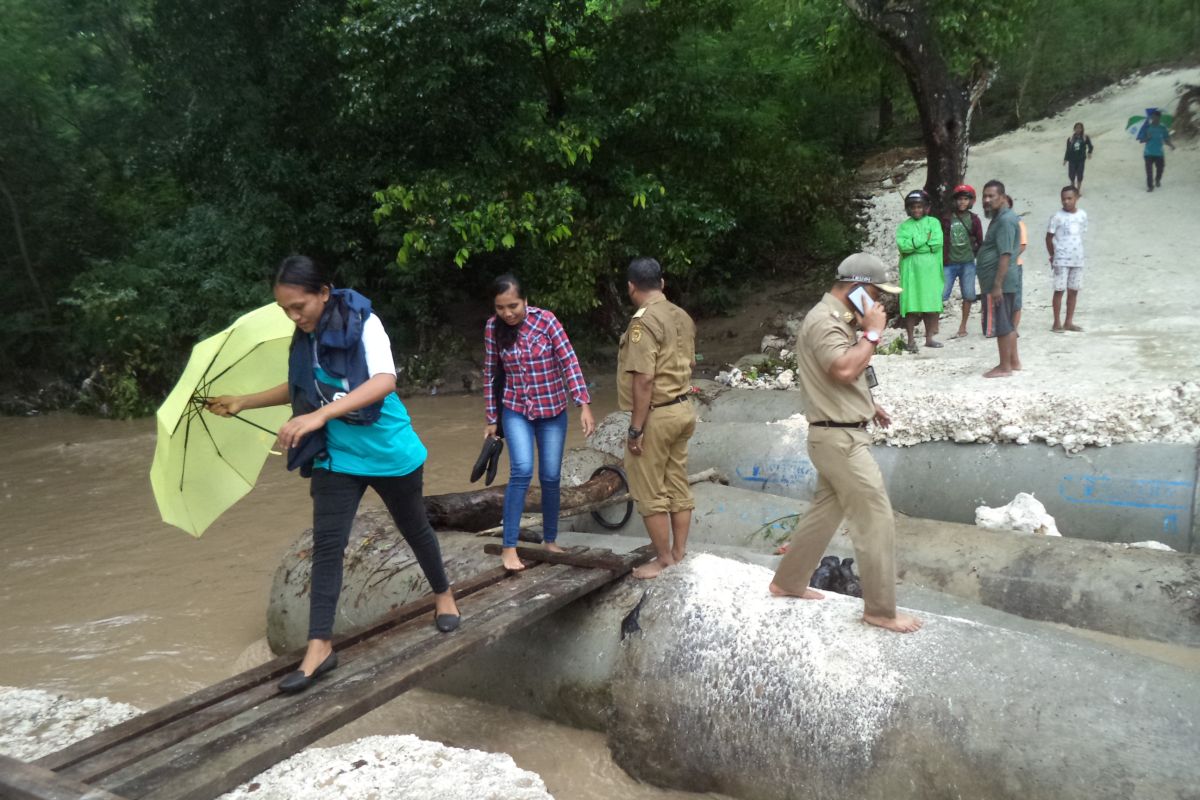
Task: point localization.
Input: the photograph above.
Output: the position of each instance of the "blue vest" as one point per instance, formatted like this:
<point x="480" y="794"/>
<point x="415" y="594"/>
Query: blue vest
<point x="338" y="347"/>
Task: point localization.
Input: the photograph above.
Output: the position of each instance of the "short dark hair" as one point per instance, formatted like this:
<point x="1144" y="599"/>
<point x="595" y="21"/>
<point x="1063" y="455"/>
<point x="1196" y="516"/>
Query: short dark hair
<point x="998" y="185"/>
<point x="1071" y="189"/>
<point x="645" y="274"/>
<point x="505" y="282"/>
<point x="302" y="271"/>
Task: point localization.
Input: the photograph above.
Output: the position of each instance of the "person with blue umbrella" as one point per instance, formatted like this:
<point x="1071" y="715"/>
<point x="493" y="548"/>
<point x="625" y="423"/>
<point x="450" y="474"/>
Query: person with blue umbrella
<point x="1154" y="134"/>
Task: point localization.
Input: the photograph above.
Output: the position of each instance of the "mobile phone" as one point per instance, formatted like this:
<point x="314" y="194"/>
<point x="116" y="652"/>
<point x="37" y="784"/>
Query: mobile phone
<point x="861" y="300"/>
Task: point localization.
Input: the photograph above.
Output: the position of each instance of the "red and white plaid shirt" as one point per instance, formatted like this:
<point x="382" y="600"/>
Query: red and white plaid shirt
<point x="534" y="367"/>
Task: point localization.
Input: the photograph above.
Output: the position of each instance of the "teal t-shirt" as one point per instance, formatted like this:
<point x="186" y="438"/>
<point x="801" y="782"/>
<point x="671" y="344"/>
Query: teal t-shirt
<point x="387" y="447"/>
<point x="1154" y="136"/>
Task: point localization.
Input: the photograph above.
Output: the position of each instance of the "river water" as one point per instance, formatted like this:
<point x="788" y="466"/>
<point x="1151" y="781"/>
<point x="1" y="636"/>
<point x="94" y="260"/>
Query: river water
<point x="102" y="599"/>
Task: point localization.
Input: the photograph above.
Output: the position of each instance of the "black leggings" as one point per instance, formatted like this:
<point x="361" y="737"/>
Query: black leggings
<point x="1075" y="171"/>
<point x="335" y="502"/>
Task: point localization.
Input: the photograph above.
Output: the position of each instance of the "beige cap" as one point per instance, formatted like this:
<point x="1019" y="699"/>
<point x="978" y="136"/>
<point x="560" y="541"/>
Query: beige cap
<point x="866" y="268"/>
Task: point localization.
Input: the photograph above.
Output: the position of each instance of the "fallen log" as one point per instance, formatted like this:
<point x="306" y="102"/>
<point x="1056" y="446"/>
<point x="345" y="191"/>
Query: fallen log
<point x="709" y="475"/>
<point x="481" y="509"/>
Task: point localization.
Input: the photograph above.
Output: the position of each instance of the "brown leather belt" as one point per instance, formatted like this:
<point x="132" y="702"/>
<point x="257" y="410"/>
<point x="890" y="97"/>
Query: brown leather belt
<point x="829" y="424"/>
<point x="679" y="399"/>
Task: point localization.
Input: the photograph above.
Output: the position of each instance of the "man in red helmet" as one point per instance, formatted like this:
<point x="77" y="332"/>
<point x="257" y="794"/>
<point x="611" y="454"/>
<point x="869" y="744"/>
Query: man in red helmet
<point x="962" y="234"/>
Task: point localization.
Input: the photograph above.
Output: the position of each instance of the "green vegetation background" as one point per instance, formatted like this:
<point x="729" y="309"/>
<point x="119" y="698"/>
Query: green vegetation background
<point x="159" y="157"/>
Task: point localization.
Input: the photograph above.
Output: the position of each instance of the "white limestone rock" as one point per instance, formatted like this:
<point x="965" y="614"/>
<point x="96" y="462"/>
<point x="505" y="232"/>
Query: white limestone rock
<point x="1025" y="514"/>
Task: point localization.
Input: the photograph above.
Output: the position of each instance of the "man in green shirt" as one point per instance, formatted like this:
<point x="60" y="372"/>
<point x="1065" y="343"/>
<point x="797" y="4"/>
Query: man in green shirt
<point x="999" y="280"/>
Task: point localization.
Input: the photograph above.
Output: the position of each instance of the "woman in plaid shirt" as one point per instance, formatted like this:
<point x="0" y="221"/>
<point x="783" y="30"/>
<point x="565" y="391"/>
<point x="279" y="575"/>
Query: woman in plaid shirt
<point x="540" y="373"/>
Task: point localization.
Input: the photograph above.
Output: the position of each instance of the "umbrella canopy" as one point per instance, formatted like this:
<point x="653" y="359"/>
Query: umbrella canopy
<point x="204" y="463"/>
<point x="1134" y="125"/>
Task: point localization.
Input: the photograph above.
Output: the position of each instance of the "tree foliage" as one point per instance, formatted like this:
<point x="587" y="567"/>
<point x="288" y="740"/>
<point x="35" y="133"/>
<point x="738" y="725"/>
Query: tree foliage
<point x="158" y="157"/>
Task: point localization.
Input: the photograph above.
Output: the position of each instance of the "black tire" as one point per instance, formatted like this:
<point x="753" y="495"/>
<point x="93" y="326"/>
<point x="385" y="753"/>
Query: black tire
<point x="601" y="521"/>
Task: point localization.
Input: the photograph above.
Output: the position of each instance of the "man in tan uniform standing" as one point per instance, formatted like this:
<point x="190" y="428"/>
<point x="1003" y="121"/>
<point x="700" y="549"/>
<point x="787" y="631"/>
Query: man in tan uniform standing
<point x="833" y="362"/>
<point x="654" y="382"/>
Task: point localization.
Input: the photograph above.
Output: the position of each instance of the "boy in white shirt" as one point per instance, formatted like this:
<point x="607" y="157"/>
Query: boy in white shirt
<point x="1064" y="243"/>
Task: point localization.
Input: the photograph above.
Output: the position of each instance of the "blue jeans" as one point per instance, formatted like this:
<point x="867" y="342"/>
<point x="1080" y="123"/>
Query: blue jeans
<point x="520" y="433"/>
<point x="966" y="280"/>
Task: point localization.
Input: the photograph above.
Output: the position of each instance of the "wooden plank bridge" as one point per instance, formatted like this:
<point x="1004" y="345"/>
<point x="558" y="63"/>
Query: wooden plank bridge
<point x="210" y="742"/>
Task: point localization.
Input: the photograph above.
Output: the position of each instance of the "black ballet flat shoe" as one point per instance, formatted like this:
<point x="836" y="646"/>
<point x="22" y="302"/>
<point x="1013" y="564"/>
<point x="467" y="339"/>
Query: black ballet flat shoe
<point x="446" y="622"/>
<point x="297" y="681"/>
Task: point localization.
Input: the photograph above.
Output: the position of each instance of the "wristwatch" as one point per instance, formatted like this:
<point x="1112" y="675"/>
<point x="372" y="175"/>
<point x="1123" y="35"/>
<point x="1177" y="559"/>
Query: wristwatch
<point x="634" y="432"/>
<point x="871" y="336"/>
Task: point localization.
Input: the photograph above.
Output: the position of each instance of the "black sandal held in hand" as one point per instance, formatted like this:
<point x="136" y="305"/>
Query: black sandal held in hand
<point x="489" y="460"/>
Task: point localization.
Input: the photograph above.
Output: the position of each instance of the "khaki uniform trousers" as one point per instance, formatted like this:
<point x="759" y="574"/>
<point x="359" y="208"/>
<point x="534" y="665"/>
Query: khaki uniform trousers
<point x="849" y="485"/>
<point x="658" y="478"/>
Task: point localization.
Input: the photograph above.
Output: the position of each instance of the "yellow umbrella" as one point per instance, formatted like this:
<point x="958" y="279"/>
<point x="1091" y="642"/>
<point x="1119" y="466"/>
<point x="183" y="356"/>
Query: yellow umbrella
<point x="204" y="463"/>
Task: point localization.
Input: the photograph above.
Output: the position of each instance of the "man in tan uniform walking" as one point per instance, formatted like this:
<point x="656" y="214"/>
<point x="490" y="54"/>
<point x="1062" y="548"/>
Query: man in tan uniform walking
<point x="833" y="363"/>
<point x="654" y="382"/>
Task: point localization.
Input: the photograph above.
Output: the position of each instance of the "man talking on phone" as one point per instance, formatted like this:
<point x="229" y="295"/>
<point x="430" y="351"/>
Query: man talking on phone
<point x="833" y="363"/>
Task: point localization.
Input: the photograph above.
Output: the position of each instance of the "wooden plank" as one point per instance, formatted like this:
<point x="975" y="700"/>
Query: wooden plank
<point x="414" y="637"/>
<point x="224" y="757"/>
<point x="241" y="684"/>
<point x="99" y="764"/>
<point x="588" y="558"/>
<point x="22" y="781"/>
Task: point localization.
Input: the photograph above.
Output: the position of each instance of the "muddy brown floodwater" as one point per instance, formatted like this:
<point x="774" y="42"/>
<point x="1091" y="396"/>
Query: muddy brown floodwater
<point x="102" y="599"/>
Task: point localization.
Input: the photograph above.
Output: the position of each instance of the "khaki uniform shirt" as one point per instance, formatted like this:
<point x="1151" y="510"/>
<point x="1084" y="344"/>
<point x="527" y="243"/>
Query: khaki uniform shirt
<point x="660" y="341"/>
<point x="826" y="333"/>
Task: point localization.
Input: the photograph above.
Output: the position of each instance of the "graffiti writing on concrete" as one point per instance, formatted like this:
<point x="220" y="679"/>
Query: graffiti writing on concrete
<point x="1126" y="492"/>
<point x="782" y="471"/>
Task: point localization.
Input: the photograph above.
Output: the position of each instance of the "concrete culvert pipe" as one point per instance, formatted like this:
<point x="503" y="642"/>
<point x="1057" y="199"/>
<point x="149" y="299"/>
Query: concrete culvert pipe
<point x="716" y="686"/>
<point x="719" y="687"/>
<point x="1134" y="592"/>
<point x="1122" y="493"/>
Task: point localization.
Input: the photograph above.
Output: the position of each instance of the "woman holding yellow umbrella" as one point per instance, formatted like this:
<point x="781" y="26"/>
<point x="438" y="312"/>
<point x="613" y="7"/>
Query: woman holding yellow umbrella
<point x="349" y="431"/>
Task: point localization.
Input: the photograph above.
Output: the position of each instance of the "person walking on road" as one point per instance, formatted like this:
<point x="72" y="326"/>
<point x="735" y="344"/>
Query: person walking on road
<point x="350" y="432"/>
<point x="541" y="373"/>
<point x="654" y="382"/>
<point x="1079" y="150"/>
<point x="1154" y="134"/>
<point x="833" y="363"/>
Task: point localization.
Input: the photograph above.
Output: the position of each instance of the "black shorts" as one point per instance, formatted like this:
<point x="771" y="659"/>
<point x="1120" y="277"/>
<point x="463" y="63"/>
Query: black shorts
<point x="1075" y="170"/>
<point x="998" y="314"/>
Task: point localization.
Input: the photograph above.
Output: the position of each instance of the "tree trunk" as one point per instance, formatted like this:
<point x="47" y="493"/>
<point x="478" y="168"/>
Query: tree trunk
<point x="944" y="101"/>
<point x="19" y="230"/>
<point x="481" y="509"/>
<point x="887" y="115"/>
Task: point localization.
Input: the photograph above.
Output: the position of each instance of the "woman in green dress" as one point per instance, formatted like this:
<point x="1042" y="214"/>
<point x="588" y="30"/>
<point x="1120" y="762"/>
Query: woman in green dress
<point x="919" y="239"/>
